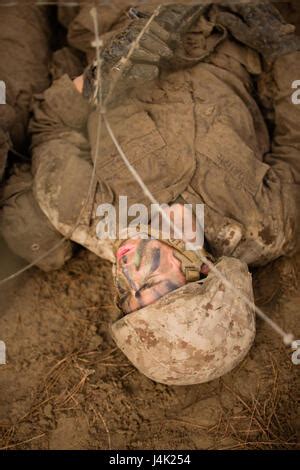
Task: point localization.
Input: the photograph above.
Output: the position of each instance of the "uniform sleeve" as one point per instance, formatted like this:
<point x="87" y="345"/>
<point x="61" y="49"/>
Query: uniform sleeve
<point x="285" y="151"/>
<point x="24" y="227"/>
<point x="110" y="17"/>
<point x="61" y="155"/>
<point x="250" y="183"/>
<point x="284" y="158"/>
<point x="277" y="199"/>
<point x="59" y="138"/>
<point x="60" y="110"/>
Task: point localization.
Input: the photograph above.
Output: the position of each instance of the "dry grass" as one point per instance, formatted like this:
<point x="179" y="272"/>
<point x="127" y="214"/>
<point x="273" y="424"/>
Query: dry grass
<point x="62" y="392"/>
<point x="261" y="424"/>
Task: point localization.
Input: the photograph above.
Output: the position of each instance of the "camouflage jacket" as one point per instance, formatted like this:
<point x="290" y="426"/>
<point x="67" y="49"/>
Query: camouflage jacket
<point x="198" y="134"/>
<point x="23" y="69"/>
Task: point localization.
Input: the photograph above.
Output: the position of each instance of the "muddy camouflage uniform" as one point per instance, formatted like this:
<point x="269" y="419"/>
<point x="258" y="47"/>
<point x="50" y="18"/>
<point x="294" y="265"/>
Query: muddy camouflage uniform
<point x="23" y="68"/>
<point x="197" y="135"/>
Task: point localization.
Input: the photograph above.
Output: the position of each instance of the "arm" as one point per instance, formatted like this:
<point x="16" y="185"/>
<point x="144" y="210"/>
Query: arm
<point x="61" y="154"/>
<point x="141" y="48"/>
<point x="23" y="71"/>
<point x="261" y="27"/>
<point x="285" y="150"/>
<point x="281" y="189"/>
<point x="62" y="165"/>
<point x="110" y="15"/>
<point x="277" y="199"/>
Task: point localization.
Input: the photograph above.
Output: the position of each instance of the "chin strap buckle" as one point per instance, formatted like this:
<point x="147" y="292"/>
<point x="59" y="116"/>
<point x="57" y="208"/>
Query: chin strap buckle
<point x="192" y="273"/>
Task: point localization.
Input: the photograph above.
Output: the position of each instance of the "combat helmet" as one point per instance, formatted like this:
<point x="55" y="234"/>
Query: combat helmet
<point x="194" y="334"/>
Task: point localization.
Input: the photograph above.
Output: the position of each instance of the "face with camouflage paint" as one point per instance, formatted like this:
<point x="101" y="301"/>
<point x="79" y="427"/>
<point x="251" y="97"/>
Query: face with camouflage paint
<point x="146" y="270"/>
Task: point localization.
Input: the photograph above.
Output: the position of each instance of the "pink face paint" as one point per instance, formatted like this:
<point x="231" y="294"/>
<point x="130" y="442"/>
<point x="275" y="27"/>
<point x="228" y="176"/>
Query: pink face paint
<point x="123" y="250"/>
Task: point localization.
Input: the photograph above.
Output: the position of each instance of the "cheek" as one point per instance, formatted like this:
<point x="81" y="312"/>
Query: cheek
<point x="178" y="280"/>
<point x="171" y="269"/>
<point x="176" y="277"/>
<point x="181" y="278"/>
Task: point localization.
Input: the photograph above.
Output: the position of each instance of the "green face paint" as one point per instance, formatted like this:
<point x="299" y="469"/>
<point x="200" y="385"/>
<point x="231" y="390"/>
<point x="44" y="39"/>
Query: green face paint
<point x="137" y="258"/>
<point x="139" y="253"/>
<point x="145" y="271"/>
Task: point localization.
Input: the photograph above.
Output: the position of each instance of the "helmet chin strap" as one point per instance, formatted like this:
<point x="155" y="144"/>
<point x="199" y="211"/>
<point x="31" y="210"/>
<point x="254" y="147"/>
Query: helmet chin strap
<point x="189" y="265"/>
<point x="190" y="259"/>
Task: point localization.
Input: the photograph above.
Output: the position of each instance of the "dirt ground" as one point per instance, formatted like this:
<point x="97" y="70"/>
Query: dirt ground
<point x="66" y="385"/>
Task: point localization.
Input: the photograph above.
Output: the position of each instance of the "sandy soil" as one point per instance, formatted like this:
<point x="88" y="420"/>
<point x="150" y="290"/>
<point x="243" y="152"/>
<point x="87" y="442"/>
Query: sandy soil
<point x="66" y="386"/>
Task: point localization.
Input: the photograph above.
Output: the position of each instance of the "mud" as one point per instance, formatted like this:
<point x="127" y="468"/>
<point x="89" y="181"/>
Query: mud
<point x="66" y="385"/>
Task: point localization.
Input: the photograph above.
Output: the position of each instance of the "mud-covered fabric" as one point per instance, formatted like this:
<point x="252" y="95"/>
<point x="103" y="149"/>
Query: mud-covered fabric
<point x="24" y="52"/>
<point x="110" y="18"/>
<point x="250" y="187"/>
<point x="7" y="119"/>
<point x="26" y="230"/>
<point x="199" y="134"/>
<point x="66" y="60"/>
<point x="260" y="26"/>
<point x="67" y="11"/>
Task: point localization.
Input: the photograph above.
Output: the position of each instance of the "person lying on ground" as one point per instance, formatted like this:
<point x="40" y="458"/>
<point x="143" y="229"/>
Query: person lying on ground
<point x="187" y="114"/>
<point x="199" y="136"/>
